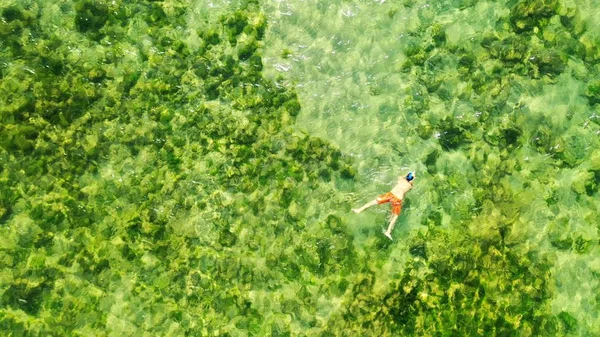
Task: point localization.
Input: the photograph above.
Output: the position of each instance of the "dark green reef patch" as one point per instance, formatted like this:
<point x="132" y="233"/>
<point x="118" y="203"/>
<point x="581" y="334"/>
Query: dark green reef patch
<point x="150" y="170"/>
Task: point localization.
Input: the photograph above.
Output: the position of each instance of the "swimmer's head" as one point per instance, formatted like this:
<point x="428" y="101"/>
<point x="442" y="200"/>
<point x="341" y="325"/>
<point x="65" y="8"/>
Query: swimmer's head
<point x="410" y="176"/>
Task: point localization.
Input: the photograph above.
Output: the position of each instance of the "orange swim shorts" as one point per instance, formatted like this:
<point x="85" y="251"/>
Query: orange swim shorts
<point x="393" y="200"/>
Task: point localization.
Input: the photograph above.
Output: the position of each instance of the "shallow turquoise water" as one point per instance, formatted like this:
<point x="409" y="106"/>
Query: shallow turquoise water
<point x="345" y="59"/>
<point x="190" y="169"/>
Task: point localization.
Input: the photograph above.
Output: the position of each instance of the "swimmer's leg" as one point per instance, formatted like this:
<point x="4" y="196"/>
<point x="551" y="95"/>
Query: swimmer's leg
<point x="365" y="206"/>
<point x="388" y="233"/>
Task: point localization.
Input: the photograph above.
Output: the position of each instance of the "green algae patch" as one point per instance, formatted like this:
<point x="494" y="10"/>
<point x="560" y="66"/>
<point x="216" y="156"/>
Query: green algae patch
<point x="152" y="182"/>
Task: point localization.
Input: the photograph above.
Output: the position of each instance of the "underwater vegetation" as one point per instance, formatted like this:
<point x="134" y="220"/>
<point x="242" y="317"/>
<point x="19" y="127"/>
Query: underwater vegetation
<point x="152" y="181"/>
<point x="149" y="175"/>
<point x="495" y="101"/>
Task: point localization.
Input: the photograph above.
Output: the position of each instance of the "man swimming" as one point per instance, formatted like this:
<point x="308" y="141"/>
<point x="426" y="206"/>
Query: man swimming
<point x="394" y="197"/>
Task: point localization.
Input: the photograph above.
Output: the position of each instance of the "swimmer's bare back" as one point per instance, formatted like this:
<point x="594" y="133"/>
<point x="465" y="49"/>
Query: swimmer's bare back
<point x="394" y="197"/>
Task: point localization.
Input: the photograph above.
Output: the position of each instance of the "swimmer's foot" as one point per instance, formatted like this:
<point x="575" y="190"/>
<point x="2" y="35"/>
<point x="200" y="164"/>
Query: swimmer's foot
<point x="356" y="210"/>
<point x="389" y="235"/>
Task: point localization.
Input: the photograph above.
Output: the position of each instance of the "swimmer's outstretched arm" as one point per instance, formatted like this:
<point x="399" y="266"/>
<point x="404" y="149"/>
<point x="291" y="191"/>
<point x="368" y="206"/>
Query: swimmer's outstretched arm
<point x="365" y="206"/>
<point x="388" y="233"/>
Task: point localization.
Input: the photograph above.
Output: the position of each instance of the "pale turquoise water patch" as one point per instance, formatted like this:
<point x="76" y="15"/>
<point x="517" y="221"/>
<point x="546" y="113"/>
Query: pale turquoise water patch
<point x="383" y="80"/>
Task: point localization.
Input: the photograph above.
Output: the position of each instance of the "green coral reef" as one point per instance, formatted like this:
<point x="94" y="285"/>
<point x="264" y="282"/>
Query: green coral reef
<point x="149" y="174"/>
<point x="155" y="180"/>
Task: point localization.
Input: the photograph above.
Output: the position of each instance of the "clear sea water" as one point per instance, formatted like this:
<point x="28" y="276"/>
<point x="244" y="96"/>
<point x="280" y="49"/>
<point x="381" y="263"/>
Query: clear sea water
<point x="137" y="215"/>
<point x="345" y="60"/>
